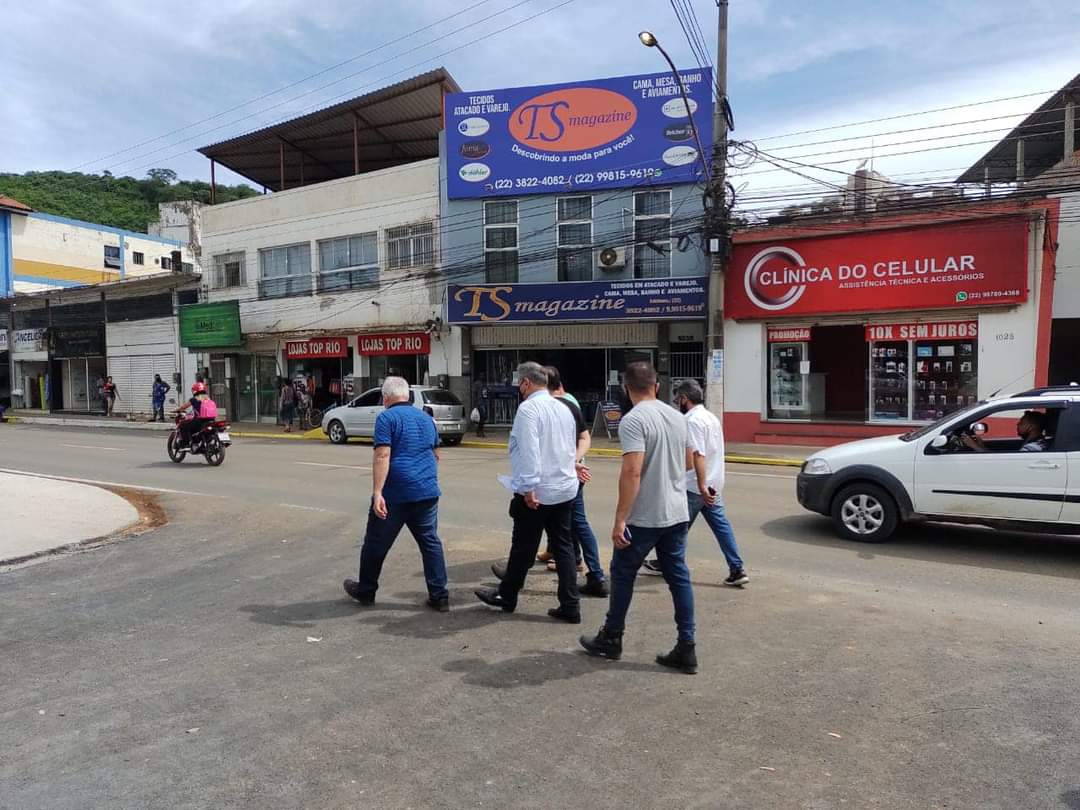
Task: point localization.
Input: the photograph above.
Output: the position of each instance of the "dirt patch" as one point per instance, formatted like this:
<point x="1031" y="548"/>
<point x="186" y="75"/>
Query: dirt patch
<point x="152" y="514"/>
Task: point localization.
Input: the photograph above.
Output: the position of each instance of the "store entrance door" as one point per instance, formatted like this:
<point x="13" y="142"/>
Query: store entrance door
<point x="838" y="362"/>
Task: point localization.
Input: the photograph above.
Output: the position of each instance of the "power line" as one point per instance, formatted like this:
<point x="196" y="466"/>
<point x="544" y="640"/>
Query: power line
<point x="289" y="86"/>
<point x="903" y="115"/>
<point x="328" y="102"/>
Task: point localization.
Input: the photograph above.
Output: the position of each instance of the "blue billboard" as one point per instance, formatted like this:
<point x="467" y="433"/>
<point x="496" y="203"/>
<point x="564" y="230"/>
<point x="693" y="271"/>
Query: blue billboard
<point x="608" y="133"/>
<point x="636" y="299"/>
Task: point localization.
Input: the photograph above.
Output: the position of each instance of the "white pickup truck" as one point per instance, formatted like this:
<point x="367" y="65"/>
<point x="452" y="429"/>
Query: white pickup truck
<point x="970" y="467"/>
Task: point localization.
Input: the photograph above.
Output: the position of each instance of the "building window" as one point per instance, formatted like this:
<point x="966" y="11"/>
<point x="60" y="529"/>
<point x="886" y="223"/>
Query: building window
<point x="575" y="238"/>
<point x="285" y="271"/>
<point x="112" y="256"/>
<point x="501" y="241"/>
<point x="349" y="262"/>
<point x="138" y="258"/>
<point x="228" y="271"/>
<point x="652" y="234"/>
<point x="166" y="263"/>
<point x="410" y="246"/>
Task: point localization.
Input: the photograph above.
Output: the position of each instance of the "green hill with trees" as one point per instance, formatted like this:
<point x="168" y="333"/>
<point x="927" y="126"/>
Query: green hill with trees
<point x="122" y="202"/>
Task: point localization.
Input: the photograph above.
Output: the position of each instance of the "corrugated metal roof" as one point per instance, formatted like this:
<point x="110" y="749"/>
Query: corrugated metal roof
<point x="1043" y="133"/>
<point x="394" y="125"/>
<point x="9" y="204"/>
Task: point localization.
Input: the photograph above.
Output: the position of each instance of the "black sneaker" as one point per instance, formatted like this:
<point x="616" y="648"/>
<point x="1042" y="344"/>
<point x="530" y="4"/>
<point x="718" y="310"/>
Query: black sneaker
<point x="603" y="644"/>
<point x="352" y="588"/>
<point x="439" y="605"/>
<point x="490" y="596"/>
<point x="652" y="568"/>
<point x="737" y="579"/>
<point x="683" y="658"/>
<point x="594" y="587"/>
<point x="564" y="615"/>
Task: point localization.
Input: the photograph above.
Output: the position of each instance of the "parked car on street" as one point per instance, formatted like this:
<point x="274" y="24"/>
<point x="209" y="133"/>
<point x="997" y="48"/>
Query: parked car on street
<point x="972" y="466"/>
<point x="357" y="417"/>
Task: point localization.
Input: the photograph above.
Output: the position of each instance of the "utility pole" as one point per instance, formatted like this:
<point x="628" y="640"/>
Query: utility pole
<point x="717" y="225"/>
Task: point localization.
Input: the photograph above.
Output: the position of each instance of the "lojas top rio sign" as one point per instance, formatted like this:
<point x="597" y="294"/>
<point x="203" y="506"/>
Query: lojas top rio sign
<point x="608" y="133"/>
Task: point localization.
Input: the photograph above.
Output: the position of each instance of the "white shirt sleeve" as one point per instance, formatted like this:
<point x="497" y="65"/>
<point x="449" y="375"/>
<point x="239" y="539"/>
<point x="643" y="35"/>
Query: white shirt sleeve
<point x="525" y="449"/>
<point x="697" y="437"/>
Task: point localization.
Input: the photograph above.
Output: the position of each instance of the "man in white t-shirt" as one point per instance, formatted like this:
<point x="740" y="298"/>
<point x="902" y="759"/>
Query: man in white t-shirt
<point x="705" y="481"/>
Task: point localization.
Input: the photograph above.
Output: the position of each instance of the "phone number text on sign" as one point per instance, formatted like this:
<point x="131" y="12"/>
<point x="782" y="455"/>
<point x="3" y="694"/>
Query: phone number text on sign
<point x="316" y="348"/>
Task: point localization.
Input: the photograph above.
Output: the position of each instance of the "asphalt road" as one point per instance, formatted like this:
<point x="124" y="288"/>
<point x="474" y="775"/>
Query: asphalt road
<point x="215" y="663"/>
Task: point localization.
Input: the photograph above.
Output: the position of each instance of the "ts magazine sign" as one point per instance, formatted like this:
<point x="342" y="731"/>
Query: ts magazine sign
<point x="608" y="133"/>
<point x="657" y="298"/>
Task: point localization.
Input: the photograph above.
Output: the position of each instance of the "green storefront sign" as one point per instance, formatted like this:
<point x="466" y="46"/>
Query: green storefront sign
<point x="210" y="326"/>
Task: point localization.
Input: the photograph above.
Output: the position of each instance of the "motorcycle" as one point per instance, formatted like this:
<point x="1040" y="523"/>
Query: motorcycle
<point x="209" y="442"/>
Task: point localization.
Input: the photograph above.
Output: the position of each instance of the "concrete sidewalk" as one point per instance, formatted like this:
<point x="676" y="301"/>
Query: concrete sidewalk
<point x="737" y="453"/>
<point x="43" y="514"/>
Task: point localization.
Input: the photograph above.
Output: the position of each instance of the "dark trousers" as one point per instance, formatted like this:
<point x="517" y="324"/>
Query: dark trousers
<point x="670" y="545"/>
<point x="422" y="518"/>
<point x="529" y="527"/>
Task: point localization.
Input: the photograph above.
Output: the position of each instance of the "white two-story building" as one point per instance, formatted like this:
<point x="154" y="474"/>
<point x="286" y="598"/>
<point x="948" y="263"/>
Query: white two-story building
<point x="335" y="271"/>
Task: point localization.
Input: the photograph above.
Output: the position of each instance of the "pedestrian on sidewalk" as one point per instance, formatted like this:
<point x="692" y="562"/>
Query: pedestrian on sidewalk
<point x="112" y="393"/>
<point x="480" y="407"/>
<point x="287" y="400"/>
<point x="405" y="492"/>
<point x="542" y="454"/>
<point x="651" y="513"/>
<point x="705" y="479"/>
<point x="161" y="388"/>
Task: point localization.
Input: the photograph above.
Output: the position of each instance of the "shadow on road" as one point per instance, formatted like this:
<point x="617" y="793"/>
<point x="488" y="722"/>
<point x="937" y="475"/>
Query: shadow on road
<point x="537" y="668"/>
<point x="1048" y="554"/>
<point x="419" y="621"/>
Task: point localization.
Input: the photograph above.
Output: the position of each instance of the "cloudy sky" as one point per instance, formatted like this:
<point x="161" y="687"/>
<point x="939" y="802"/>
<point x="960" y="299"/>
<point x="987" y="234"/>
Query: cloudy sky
<point x="126" y="86"/>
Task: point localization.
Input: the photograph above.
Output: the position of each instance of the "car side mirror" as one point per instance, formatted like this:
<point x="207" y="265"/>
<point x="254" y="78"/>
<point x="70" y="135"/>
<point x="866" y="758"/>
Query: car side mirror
<point x="940" y="442"/>
<point x="980" y="429"/>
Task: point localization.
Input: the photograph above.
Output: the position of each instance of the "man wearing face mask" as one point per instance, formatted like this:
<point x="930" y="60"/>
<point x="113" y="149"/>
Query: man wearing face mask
<point x="705" y="478"/>
<point x="543" y="446"/>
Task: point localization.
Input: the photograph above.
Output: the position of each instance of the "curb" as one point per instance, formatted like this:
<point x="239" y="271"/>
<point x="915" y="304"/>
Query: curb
<point x="611" y="452"/>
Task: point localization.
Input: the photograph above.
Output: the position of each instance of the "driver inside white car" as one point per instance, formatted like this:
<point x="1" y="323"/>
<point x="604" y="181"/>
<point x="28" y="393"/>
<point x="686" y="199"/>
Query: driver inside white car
<point x="1031" y="428"/>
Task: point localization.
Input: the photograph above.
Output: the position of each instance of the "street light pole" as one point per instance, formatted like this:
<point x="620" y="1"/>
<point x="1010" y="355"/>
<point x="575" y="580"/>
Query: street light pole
<point x="650" y="41"/>
<point x="718" y="224"/>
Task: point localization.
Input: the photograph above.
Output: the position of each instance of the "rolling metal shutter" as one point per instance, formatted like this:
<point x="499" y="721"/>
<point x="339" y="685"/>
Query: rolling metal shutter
<point x="570" y="336"/>
<point x="135" y="352"/>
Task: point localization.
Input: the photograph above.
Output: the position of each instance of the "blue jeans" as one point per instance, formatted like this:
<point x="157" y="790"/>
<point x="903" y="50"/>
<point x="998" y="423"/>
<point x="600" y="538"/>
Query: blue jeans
<point x="670" y="545"/>
<point x="720" y="525"/>
<point x="584" y="539"/>
<point x="422" y="518"/>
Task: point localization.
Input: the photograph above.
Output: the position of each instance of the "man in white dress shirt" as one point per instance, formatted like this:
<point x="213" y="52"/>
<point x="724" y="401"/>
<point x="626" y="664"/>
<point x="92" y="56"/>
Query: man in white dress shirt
<point x="543" y="444"/>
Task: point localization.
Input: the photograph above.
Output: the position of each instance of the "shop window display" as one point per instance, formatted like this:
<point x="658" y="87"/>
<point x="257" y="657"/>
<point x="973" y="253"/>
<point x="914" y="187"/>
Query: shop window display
<point x="946" y="377"/>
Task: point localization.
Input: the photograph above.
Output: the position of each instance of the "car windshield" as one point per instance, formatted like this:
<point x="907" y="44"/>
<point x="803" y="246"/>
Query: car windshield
<point x="436" y="396"/>
<point x="927" y="429"/>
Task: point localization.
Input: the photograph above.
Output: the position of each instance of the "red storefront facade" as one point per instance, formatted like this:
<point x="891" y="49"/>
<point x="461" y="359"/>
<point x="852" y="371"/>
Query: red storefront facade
<point x="851" y="329"/>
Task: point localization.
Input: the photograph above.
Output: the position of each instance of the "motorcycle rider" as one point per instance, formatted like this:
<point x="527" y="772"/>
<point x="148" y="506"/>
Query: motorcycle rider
<point x="197" y="421"/>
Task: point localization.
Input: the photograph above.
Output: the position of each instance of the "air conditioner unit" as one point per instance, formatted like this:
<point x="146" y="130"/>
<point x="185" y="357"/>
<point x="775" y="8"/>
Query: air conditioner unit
<point x="611" y="258"/>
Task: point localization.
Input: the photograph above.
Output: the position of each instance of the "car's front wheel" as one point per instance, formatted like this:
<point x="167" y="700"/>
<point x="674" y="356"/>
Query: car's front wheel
<point x="336" y="431"/>
<point x="865" y="512"/>
<point x="451" y="441"/>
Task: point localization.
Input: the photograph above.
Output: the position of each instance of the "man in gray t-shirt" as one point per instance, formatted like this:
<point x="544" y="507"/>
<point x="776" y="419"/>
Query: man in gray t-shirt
<point x="651" y="513"/>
